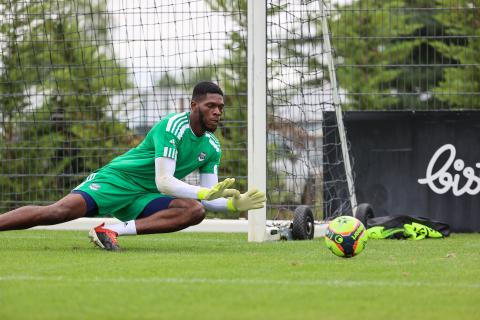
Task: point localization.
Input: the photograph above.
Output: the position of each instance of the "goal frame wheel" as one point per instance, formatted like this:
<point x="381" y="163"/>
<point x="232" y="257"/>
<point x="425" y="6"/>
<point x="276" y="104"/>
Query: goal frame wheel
<point x="303" y="224"/>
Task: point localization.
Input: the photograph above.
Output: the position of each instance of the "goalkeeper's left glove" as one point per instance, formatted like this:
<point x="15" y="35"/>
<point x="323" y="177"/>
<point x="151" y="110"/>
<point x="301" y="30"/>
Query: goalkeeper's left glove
<point x="218" y="191"/>
<point x="252" y="199"/>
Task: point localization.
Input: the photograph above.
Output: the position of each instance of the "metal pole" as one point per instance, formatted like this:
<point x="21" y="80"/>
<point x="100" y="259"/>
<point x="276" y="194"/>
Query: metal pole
<point x="257" y="112"/>
<point x="338" y="109"/>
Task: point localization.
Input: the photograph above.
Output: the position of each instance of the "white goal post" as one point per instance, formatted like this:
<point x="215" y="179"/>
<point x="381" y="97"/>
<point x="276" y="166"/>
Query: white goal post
<point x="257" y="112"/>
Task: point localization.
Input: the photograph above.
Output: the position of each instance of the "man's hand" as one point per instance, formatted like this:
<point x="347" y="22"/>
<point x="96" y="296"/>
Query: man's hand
<point x="252" y="199"/>
<point x="219" y="191"/>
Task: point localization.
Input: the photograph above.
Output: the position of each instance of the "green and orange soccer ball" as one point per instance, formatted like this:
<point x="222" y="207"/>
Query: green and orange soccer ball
<point x="346" y="236"/>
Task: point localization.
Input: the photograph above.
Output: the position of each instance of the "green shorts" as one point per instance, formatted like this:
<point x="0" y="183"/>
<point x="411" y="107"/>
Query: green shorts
<point x="116" y="195"/>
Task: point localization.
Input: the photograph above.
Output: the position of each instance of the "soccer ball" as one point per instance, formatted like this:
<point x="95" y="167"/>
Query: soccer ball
<point x="346" y="236"/>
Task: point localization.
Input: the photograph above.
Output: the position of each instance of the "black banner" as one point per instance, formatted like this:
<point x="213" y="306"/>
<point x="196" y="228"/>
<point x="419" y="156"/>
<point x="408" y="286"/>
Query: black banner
<point x="424" y="164"/>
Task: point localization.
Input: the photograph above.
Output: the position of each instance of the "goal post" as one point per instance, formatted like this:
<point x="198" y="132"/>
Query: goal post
<point x="257" y="112"/>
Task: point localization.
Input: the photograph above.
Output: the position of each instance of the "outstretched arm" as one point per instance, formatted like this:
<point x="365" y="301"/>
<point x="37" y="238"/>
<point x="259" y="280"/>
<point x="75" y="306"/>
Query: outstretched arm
<point x="208" y="180"/>
<point x="169" y="185"/>
<point x="252" y="199"/>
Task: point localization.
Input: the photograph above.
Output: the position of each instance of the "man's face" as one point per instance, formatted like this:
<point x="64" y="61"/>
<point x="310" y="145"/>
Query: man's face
<point x="210" y="109"/>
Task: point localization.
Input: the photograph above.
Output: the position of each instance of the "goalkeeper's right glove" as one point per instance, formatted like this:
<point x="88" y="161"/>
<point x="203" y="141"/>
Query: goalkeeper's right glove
<point x="252" y="199"/>
<point x="218" y="191"/>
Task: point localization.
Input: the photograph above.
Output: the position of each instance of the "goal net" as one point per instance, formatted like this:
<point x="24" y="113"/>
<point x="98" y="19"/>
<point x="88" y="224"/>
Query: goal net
<point x="83" y="81"/>
<point x="306" y="141"/>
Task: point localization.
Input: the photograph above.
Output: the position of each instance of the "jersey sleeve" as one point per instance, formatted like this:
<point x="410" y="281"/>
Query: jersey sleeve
<point x="167" y="134"/>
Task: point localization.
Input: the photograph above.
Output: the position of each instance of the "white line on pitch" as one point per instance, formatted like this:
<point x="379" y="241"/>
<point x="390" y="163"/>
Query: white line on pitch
<point x="326" y="282"/>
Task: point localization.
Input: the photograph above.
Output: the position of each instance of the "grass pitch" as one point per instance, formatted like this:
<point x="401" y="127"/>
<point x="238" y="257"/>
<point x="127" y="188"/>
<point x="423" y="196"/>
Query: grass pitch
<point x="60" y="275"/>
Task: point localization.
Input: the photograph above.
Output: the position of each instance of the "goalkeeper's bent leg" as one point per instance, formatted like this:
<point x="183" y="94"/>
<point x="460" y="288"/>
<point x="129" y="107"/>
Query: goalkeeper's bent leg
<point x="181" y="214"/>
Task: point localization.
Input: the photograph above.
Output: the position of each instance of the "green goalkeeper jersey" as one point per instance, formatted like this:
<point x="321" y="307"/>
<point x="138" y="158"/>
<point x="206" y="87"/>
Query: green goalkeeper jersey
<point x="172" y="137"/>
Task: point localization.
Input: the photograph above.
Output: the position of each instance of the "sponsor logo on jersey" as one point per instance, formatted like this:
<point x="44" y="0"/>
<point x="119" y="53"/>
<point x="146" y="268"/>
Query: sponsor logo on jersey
<point x="202" y="156"/>
<point x="94" y="186"/>
<point x="172" y="142"/>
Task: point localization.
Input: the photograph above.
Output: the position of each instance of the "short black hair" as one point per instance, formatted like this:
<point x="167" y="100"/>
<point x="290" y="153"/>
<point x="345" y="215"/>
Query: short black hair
<point x="204" y="87"/>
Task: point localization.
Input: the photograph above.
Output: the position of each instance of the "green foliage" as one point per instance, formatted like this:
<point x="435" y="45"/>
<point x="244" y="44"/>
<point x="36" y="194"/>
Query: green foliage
<point x="12" y="78"/>
<point x="387" y="59"/>
<point x="461" y="86"/>
<point x="371" y="39"/>
<point x="53" y="140"/>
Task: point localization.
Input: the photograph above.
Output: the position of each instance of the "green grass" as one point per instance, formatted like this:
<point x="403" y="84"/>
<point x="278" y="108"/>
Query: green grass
<point x="60" y="275"/>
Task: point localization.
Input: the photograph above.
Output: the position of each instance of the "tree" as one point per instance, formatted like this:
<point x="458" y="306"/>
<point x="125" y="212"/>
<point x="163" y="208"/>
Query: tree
<point x="461" y="84"/>
<point x="370" y="38"/>
<point x="14" y="80"/>
<point x="63" y="125"/>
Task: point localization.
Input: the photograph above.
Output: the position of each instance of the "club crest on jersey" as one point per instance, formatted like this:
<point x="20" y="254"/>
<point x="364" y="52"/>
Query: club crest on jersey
<point x="94" y="186"/>
<point x="202" y="156"/>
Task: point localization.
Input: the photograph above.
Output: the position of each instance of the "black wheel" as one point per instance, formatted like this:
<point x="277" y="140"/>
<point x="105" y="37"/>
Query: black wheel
<point x="364" y="212"/>
<point x="303" y="225"/>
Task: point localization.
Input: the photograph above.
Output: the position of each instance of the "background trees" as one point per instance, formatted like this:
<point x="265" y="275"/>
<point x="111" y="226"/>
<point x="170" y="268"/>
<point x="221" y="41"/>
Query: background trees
<point x="56" y="83"/>
<point x="404" y="55"/>
<point x="460" y="85"/>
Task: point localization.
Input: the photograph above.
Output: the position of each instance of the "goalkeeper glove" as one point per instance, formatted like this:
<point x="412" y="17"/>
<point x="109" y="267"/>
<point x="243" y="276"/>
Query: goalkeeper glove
<point x="252" y="199"/>
<point x="218" y="191"/>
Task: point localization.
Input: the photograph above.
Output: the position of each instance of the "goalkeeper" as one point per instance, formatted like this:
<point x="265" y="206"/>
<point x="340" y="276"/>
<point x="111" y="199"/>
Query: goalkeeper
<point x="142" y="187"/>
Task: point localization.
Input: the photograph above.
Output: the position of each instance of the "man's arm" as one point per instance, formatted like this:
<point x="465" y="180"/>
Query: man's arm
<point x="208" y="180"/>
<point x="252" y="199"/>
<point x="169" y="185"/>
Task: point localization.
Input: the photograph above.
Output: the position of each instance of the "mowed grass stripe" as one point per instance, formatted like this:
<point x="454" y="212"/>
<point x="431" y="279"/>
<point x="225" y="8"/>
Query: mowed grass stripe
<point x="318" y="282"/>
